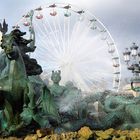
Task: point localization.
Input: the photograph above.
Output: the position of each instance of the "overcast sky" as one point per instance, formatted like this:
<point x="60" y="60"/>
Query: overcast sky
<point x="121" y="17"/>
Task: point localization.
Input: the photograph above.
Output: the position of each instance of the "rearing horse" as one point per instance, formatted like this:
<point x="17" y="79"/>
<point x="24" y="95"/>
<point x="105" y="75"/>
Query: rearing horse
<point x="14" y="83"/>
<point x="16" y="89"/>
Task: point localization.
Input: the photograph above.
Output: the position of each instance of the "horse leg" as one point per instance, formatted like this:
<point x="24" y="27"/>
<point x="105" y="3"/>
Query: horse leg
<point x="8" y="118"/>
<point x="28" y="105"/>
<point x="8" y="110"/>
<point x="25" y="97"/>
<point x="31" y="96"/>
<point x="3" y="122"/>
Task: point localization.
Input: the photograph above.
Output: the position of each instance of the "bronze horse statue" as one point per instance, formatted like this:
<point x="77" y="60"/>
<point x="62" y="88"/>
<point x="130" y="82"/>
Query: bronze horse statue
<point x="17" y="92"/>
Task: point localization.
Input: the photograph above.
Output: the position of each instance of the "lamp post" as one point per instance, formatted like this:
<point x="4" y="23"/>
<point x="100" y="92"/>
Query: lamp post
<point x="132" y="59"/>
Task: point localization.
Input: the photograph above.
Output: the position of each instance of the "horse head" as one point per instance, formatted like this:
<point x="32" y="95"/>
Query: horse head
<point x="7" y="42"/>
<point x="9" y="47"/>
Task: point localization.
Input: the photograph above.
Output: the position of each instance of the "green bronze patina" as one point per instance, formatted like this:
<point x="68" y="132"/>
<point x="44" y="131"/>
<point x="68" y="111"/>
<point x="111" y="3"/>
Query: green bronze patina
<point x="135" y="80"/>
<point x="18" y="78"/>
<point x="55" y="89"/>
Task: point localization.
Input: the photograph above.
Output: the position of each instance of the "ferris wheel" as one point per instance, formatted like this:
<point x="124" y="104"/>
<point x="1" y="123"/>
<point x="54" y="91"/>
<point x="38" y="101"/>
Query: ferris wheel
<point x="74" y="41"/>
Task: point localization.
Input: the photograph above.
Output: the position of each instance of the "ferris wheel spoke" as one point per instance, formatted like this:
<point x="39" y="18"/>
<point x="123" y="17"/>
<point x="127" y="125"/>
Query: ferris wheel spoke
<point x="88" y="45"/>
<point x="89" y="59"/>
<point x="51" y="47"/>
<point x="51" y="33"/>
<point x="66" y="34"/>
<point x="61" y="35"/>
<point x="48" y="50"/>
<point x="82" y="44"/>
<point x="55" y="27"/>
<point x="79" y="80"/>
<point x="68" y="43"/>
<point x="102" y="73"/>
<point x="96" y="59"/>
<point x="95" y="77"/>
<point x="89" y="75"/>
<point x="41" y="26"/>
<point x="80" y="39"/>
<point x="45" y="23"/>
<point x="43" y="56"/>
<point x="84" y="34"/>
<point x="38" y="30"/>
<point x="49" y="40"/>
<point x="73" y="34"/>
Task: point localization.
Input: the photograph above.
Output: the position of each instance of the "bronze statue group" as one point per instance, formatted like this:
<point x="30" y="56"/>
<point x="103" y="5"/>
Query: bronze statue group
<point x="25" y="100"/>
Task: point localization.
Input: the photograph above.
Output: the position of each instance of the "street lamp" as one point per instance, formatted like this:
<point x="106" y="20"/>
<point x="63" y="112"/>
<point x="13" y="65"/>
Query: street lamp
<point x="132" y="59"/>
<point x="134" y="50"/>
<point x="126" y="55"/>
